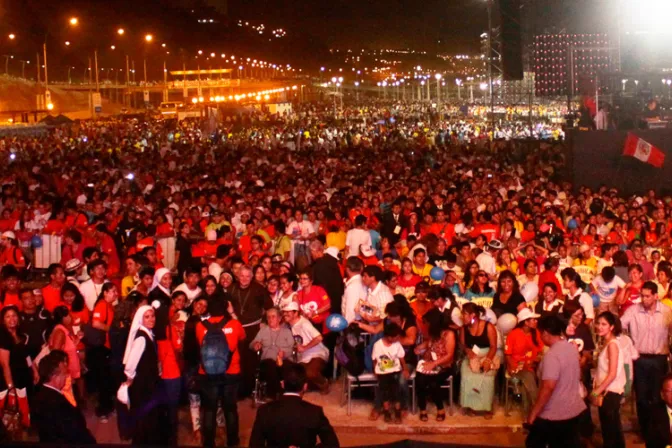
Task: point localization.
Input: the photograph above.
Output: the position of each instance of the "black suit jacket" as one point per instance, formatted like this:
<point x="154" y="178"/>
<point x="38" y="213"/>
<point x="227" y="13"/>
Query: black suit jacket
<point x="290" y="421"/>
<point x="327" y="274"/>
<point x="658" y="429"/>
<point x="389" y="224"/>
<point x="58" y="421"/>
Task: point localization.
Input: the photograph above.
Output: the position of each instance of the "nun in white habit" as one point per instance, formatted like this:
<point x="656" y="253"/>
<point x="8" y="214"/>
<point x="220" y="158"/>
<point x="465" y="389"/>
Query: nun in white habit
<point x="141" y="367"/>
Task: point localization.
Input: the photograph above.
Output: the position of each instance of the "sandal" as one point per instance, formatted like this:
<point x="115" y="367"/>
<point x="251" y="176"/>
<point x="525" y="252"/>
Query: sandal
<point x="440" y="416"/>
<point x="423" y="416"/>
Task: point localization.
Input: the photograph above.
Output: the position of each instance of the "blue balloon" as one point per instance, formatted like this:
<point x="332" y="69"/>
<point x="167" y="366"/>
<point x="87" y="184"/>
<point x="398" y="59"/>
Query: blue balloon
<point x="336" y="322"/>
<point x="36" y="241"/>
<point x="437" y="274"/>
<point x="596" y="300"/>
<point x="571" y="225"/>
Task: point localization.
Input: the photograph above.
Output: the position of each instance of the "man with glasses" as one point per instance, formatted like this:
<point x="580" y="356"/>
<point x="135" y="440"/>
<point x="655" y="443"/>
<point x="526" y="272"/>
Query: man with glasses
<point x="649" y="325"/>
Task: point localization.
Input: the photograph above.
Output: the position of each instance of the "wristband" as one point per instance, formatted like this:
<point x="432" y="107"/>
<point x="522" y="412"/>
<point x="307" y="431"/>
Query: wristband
<point x="594" y="394"/>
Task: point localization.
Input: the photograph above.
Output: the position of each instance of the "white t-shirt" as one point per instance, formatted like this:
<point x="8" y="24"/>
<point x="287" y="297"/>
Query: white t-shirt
<point x="191" y="293"/>
<point x="387" y="358"/>
<point x="355" y="239"/>
<point x="215" y="270"/>
<point x="90" y="291"/>
<point x="602" y="263"/>
<point x="607" y="291"/>
<point x="303" y="228"/>
<point x="304" y="332"/>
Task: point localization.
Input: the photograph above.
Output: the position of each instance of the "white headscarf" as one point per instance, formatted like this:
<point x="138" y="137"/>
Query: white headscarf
<point x="158" y="275"/>
<point x="135" y="326"/>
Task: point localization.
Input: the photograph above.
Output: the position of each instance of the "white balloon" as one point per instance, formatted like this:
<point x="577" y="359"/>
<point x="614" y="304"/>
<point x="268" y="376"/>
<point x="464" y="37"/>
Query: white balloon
<point x="506" y="323"/>
<point x="490" y="316"/>
<point x="456" y="317"/>
<point x="530" y="291"/>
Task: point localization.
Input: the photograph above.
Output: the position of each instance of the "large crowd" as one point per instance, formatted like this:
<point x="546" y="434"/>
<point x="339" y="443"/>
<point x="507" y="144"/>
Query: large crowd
<point x="400" y="242"/>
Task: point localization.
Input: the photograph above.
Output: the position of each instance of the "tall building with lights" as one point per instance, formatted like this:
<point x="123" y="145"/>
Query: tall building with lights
<point x="568" y="64"/>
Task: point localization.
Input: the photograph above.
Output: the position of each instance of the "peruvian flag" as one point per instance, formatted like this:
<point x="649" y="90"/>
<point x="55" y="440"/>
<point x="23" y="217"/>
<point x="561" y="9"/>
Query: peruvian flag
<point x="644" y="151"/>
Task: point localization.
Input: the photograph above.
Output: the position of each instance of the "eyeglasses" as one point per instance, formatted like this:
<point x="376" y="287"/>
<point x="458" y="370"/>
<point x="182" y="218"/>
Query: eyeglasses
<point x="482" y="275"/>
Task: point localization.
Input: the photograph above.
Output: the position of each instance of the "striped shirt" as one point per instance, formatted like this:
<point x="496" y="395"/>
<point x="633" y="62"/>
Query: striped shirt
<point x="649" y="330"/>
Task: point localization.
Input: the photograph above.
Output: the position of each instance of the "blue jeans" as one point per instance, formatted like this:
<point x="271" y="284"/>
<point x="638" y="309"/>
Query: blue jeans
<point x="224" y="387"/>
<point x="171" y="401"/>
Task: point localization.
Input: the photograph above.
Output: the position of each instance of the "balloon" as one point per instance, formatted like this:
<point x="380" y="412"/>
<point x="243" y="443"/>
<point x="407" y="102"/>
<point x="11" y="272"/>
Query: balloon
<point x="490" y="316"/>
<point x="36" y="241"/>
<point x="437" y="274"/>
<point x="571" y="225"/>
<point x="596" y="300"/>
<point x="336" y="322"/>
<point x="530" y="291"/>
<point x="506" y="323"/>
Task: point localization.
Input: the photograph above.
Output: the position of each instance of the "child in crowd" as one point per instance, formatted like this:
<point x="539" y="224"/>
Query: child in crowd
<point x="388" y="359"/>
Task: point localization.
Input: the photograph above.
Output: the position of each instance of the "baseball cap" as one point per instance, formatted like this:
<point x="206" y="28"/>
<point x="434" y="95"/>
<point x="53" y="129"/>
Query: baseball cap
<point x="9" y="235"/>
<point x="291" y="306"/>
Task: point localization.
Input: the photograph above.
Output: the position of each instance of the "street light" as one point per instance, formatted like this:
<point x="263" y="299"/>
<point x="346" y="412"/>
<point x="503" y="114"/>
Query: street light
<point x="121" y="31"/>
<point x="67" y="43"/>
<point x="74" y="21"/>
<point x="112" y="47"/>
<point x="149" y="37"/>
<point x="438" y="88"/>
<point x="12" y="36"/>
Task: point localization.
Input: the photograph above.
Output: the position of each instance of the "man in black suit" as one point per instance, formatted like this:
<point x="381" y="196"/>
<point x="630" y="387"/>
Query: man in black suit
<point x="660" y="420"/>
<point x="290" y="421"/>
<point x="392" y="224"/>
<point x="56" y="420"/>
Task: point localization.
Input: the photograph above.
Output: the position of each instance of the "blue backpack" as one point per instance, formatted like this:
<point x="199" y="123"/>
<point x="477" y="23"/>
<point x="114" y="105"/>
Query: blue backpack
<point x="215" y="351"/>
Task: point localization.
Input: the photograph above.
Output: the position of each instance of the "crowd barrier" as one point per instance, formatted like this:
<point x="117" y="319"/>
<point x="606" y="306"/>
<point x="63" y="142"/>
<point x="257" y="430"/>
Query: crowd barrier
<point x="52" y="246"/>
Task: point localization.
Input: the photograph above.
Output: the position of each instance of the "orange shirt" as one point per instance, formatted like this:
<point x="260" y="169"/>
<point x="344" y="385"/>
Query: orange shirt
<point x="420" y="307"/>
<point x="103" y="312"/>
<point x="14" y="256"/>
<point x="234" y="332"/>
<point x="51" y="297"/>
<point x="12" y="299"/>
<point x="520" y="348"/>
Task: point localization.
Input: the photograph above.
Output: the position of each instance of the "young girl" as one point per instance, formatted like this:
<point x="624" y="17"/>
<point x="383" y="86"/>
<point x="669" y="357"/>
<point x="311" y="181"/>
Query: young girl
<point x="388" y="360"/>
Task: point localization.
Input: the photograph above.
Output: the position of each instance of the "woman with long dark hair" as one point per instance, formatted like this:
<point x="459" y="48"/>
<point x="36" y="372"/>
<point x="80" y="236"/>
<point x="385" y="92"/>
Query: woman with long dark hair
<point x="436" y="357"/>
<point x="18" y="372"/>
<point x="479" y="341"/>
<point x="508" y="298"/>
<point x="63" y="338"/>
<point x="141" y="367"/>
<point x="98" y="356"/>
<point x="610" y="381"/>
<point x="480" y="287"/>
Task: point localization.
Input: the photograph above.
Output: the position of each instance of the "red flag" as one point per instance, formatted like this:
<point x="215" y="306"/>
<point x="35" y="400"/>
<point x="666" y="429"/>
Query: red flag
<point x="644" y="151"/>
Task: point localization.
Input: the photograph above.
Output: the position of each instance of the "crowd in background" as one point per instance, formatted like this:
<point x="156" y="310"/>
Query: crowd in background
<point x="456" y="258"/>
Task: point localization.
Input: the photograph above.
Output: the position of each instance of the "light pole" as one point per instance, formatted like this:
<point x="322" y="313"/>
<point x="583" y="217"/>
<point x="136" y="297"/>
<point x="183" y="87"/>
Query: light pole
<point x="438" y="90"/>
<point x="148" y="38"/>
<point x="624" y="81"/>
<point x="357" y="90"/>
<point x="422" y="83"/>
<point x="459" y="89"/>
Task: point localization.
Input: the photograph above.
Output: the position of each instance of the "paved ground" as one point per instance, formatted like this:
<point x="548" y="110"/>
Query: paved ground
<point x="357" y="430"/>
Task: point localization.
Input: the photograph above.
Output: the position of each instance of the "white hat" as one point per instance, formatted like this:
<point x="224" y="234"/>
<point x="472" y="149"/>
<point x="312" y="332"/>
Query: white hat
<point x="525" y="314"/>
<point x="496" y="245"/>
<point x="73" y="264"/>
<point x="9" y="235"/>
<point x="584" y="248"/>
<point x="291" y="306"/>
<point x="211" y="235"/>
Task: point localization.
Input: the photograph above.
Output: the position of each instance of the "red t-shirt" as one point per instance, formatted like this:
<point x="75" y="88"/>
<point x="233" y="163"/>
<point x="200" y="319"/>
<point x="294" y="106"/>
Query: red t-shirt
<point x="12" y="299"/>
<point x="51" y="297"/>
<point x="234" y="332"/>
<point x="549" y="277"/>
<point x="103" y="312"/>
<point x="14" y="256"/>
<point x="315" y="299"/>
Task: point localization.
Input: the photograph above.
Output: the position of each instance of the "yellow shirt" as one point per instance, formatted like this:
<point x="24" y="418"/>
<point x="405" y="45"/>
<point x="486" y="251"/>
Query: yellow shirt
<point x="127" y="285"/>
<point x="336" y="239"/>
<point x="424" y="272"/>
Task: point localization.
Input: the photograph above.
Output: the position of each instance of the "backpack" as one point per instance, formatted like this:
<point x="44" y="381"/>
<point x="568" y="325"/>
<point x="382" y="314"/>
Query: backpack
<point x="215" y="351"/>
<point x="350" y="351"/>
